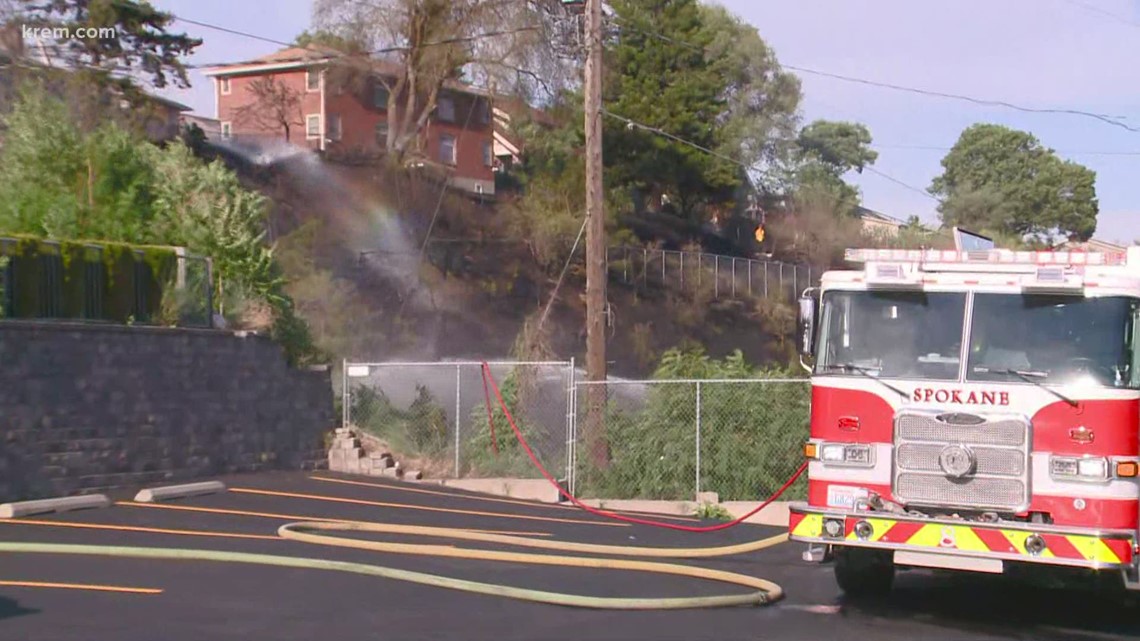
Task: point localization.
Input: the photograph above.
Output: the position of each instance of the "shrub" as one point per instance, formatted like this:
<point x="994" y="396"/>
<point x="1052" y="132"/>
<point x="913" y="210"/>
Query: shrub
<point x="421" y="430"/>
<point x="510" y="459"/>
<point x="751" y="433"/>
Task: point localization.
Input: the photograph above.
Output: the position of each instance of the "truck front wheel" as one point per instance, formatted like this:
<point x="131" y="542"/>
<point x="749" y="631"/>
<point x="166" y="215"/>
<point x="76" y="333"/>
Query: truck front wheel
<point x="864" y="573"/>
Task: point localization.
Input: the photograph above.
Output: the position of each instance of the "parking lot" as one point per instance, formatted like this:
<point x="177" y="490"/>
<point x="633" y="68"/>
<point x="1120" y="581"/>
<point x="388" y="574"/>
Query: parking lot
<point x="84" y="597"/>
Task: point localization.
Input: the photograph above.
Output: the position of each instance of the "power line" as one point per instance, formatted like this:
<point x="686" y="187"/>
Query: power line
<point x="1064" y="152"/>
<point x="384" y="50"/>
<point x="905" y="185"/>
<point x="665" y="134"/>
<point x="1103" y="12"/>
<point x="978" y="101"/>
<point x="988" y="102"/>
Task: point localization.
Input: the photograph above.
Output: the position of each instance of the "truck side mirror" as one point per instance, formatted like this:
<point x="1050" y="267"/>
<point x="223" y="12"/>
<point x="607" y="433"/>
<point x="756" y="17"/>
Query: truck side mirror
<point x="805" y="334"/>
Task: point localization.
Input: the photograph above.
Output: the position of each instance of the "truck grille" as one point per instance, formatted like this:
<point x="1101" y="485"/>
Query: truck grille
<point x="998" y="447"/>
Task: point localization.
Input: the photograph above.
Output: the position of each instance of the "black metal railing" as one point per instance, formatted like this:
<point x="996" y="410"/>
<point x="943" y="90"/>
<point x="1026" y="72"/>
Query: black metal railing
<point x="104" y="282"/>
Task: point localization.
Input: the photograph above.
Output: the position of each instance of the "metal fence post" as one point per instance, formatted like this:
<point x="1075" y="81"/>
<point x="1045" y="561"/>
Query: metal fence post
<point x="765" y="279"/>
<point x="663" y="252"/>
<point x="682" y="270"/>
<point x="698" y="484"/>
<point x="734" y="277"/>
<point x="645" y="266"/>
<point x="209" y="285"/>
<point x="344" y="396"/>
<point x="458" y="379"/>
<point x="700" y="267"/>
<point x="750" y="278"/>
<point x="570" y="427"/>
<point x="716" y="277"/>
<point x="782" y="291"/>
<point x="795" y="281"/>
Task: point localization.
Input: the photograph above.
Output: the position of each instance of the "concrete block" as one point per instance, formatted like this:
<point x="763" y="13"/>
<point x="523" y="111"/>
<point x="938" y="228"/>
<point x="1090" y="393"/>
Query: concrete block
<point x="413" y="475"/>
<point x="62" y="504"/>
<point x="337" y="457"/>
<point x="382" y="461"/>
<point x="393" y="472"/>
<point x="708" y="497"/>
<point x="153" y="495"/>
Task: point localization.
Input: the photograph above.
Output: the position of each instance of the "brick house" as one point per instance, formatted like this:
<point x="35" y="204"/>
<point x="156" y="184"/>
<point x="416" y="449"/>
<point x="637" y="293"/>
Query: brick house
<point x="343" y="121"/>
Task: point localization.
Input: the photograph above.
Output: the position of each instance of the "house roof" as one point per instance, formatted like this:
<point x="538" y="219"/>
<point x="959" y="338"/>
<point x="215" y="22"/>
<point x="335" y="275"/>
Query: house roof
<point x="173" y="104"/>
<point x="872" y="215"/>
<point x="303" y="57"/>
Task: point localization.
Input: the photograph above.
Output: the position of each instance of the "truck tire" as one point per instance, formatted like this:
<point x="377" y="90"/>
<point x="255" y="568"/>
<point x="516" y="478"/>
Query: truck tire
<point x="864" y="573"/>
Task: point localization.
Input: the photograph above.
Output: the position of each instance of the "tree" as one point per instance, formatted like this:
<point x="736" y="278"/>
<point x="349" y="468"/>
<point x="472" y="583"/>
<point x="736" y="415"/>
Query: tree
<point x="699" y="74"/>
<point x="275" y="107"/>
<point x="124" y="37"/>
<point x="59" y="181"/>
<point x="826" y="150"/>
<point x="841" y="146"/>
<point x="425" y="44"/>
<point x="1006" y="181"/>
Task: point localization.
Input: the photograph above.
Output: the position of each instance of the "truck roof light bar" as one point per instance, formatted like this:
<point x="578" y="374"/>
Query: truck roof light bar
<point x="992" y="256"/>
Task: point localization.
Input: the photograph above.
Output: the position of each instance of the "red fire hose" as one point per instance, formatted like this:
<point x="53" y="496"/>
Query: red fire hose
<point x="488" y="377"/>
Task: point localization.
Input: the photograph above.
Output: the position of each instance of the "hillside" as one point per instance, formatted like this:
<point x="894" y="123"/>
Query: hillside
<point x="350" y="237"/>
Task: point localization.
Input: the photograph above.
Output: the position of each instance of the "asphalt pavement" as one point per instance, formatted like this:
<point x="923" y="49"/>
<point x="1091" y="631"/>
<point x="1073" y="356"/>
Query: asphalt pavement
<point x="84" y="598"/>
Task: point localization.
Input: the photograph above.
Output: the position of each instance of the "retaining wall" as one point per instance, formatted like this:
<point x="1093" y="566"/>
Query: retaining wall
<point x="91" y="407"/>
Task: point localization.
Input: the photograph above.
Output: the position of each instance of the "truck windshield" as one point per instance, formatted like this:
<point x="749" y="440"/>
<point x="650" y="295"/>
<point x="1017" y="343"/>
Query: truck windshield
<point x="891" y="334"/>
<point x="1056" y="340"/>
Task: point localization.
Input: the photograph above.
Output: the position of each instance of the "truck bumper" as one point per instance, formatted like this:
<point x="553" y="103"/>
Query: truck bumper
<point x="1005" y="541"/>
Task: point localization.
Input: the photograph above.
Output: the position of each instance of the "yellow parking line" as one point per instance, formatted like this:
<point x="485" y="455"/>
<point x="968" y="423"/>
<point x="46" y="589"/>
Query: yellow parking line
<point x="336" y="499"/>
<point x="490" y="499"/>
<point x="80" y="586"/>
<point x="288" y="517"/>
<point x="133" y="528"/>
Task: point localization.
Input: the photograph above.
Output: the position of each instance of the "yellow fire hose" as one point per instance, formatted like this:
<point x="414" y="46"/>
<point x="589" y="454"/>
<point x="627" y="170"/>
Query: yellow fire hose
<point x="762" y="591"/>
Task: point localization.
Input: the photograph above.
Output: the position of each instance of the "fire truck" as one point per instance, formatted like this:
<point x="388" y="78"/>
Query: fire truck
<point x="976" y="410"/>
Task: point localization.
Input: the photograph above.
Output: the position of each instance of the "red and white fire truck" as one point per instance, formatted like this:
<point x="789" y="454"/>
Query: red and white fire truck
<point x="974" y="410"/>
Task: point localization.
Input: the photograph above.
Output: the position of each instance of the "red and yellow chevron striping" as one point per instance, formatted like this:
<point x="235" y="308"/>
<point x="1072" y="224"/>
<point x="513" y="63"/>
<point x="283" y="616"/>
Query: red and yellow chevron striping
<point x="971" y="538"/>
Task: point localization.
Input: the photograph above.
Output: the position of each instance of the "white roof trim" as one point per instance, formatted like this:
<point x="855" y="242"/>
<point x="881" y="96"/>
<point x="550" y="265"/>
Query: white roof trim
<point x="233" y="70"/>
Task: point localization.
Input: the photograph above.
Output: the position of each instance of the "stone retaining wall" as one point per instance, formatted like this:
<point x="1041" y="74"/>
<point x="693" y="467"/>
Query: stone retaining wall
<point x="93" y="407"/>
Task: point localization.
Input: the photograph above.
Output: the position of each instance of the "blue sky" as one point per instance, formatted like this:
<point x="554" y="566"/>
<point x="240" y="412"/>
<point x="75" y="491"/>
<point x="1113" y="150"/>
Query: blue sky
<point x="1063" y="54"/>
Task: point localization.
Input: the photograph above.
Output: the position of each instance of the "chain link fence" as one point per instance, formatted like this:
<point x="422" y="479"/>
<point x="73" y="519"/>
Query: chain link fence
<point x="433" y="416"/>
<point x="671" y="439"/>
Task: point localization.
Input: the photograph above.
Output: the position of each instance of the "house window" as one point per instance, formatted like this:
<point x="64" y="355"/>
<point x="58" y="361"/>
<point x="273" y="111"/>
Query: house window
<point x="312" y="80"/>
<point x="224" y="83"/>
<point x="380" y="97"/>
<point x="334" y="127"/>
<point x="227" y="130"/>
<point x="313" y="126"/>
<point x="484" y="111"/>
<point x="445" y="109"/>
<point x="447" y="149"/>
<point x="382" y="134"/>
<point x="488" y="155"/>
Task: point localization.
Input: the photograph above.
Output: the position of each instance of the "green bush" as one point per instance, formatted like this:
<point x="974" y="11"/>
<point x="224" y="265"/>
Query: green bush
<point x="59" y="181"/>
<point x="751" y="434"/>
<point x="421" y="430"/>
<point x="510" y="459"/>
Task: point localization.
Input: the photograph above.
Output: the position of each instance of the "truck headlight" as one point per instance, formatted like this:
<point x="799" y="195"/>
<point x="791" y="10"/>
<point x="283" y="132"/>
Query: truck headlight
<point x="1079" y="469"/>
<point x="847" y="454"/>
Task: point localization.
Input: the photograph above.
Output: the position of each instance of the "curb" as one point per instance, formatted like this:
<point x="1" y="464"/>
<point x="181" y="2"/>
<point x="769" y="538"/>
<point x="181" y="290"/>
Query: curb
<point x="61" y="504"/>
<point x="156" y="494"/>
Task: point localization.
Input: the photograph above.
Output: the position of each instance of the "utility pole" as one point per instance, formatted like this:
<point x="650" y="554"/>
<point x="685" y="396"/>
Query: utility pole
<point x="595" y="243"/>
